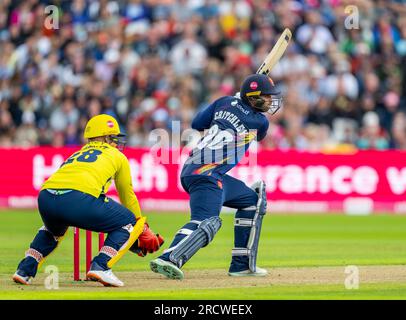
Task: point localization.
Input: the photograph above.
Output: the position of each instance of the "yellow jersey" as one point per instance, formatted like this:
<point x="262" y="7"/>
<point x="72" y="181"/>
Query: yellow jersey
<point x="92" y="169"/>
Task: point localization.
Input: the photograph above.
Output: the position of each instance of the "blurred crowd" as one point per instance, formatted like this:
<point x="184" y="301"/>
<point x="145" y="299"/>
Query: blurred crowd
<point x="150" y="63"/>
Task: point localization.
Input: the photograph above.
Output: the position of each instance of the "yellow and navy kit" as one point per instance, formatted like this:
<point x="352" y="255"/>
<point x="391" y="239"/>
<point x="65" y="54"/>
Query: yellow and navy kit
<point x="92" y="169"/>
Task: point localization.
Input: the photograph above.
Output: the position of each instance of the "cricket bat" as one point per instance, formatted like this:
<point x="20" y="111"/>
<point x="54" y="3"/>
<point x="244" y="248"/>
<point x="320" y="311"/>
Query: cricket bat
<point x="276" y="53"/>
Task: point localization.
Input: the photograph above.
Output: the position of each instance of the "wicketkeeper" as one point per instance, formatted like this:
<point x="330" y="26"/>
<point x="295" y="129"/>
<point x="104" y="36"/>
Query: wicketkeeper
<point x="75" y="196"/>
<point x="232" y="123"/>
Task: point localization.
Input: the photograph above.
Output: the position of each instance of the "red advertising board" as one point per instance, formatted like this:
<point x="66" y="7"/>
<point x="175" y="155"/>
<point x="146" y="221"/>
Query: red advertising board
<point x="359" y="183"/>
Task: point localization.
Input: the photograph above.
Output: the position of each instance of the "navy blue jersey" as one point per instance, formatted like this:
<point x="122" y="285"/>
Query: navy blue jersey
<point x="232" y="125"/>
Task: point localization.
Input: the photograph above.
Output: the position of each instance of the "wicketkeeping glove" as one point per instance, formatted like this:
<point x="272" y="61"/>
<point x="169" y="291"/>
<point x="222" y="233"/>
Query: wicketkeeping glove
<point x="148" y="242"/>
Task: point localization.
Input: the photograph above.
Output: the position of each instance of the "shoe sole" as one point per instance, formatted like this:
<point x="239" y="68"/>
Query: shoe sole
<point x="20" y="280"/>
<point x="167" y="270"/>
<point x="95" y="277"/>
<point x="253" y="274"/>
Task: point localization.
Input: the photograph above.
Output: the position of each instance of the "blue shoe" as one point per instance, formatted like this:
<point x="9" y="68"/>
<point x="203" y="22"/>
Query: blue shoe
<point x="166" y="268"/>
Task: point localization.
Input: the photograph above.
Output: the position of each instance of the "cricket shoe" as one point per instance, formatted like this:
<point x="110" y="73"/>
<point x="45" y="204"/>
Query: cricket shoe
<point x="20" y="277"/>
<point x="259" y="272"/>
<point x="105" y="277"/>
<point x="166" y="268"/>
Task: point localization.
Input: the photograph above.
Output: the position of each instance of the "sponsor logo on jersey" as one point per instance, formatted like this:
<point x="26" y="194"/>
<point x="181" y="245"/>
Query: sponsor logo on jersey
<point x="243" y="110"/>
<point x="235" y="103"/>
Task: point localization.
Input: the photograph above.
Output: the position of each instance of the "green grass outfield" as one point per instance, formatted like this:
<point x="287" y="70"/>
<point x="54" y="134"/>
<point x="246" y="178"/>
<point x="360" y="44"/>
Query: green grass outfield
<point x="306" y="256"/>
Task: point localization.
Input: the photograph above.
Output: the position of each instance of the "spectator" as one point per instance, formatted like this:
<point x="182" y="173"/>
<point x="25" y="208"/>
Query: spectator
<point x="293" y="137"/>
<point x="6" y="124"/>
<point x="399" y="131"/>
<point x="372" y="136"/>
<point x="341" y="82"/>
<point x="313" y="36"/>
<point x="63" y="116"/>
<point x="26" y="135"/>
<point x="153" y="62"/>
<point x="188" y="56"/>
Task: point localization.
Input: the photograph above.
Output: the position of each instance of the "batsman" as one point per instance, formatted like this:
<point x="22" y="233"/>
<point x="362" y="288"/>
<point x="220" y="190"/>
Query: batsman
<point x="75" y="195"/>
<point x="233" y="123"/>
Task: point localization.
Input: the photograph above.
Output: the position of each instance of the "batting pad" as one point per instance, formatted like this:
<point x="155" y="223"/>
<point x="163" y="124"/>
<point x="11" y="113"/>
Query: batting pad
<point x="255" y="225"/>
<point x="198" y="239"/>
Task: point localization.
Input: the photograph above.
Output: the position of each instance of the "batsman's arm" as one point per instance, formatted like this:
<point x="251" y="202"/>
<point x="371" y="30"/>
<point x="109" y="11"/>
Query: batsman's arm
<point x="263" y="130"/>
<point x="203" y="118"/>
<point x="125" y="188"/>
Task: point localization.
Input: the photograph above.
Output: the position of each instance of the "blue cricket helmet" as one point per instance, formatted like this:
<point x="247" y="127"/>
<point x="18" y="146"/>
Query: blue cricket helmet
<point x="260" y="92"/>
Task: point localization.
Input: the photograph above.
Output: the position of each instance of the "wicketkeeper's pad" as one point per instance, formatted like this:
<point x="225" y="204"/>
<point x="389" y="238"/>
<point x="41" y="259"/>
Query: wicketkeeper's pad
<point x="134" y="234"/>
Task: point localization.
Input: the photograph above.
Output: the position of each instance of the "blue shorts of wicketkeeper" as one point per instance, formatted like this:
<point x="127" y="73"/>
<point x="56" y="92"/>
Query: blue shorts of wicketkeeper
<point x="60" y="209"/>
